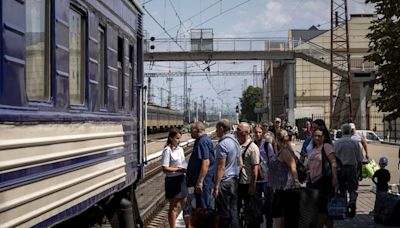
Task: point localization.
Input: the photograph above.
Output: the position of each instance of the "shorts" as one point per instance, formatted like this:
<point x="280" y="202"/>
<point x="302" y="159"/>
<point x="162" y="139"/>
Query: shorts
<point x="175" y="187"/>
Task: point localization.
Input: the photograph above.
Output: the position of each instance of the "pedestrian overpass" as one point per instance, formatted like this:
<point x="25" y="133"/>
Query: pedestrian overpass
<point x="228" y="49"/>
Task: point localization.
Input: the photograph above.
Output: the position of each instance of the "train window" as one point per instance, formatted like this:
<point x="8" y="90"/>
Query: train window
<point x="130" y="77"/>
<point x="121" y="89"/>
<point x="37" y="49"/>
<point x="76" y="57"/>
<point x="102" y="80"/>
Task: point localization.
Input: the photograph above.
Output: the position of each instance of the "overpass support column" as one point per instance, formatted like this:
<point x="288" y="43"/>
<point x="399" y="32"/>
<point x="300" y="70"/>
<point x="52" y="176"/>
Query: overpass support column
<point x="291" y="89"/>
<point x="363" y="107"/>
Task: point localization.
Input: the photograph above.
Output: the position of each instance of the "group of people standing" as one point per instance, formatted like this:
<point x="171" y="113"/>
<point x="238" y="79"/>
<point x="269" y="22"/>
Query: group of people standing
<point x="257" y="164"/>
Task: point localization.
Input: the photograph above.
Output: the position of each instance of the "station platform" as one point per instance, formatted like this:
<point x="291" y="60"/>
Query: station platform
<point x="363" y="219"/>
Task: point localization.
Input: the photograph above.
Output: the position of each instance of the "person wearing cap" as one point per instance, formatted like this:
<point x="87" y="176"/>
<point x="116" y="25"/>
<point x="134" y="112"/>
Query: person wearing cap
<point x="359" y="138"/>
<point x="277" y="125"/>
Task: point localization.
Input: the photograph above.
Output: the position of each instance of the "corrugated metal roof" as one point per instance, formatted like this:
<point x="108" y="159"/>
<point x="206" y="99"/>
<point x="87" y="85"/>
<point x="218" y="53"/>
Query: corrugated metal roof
<point x="306" y="34"/>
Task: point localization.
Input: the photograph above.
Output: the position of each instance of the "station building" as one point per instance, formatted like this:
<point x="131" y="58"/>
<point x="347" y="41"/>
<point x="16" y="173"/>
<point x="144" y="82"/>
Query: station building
<point x="311" y="82"/>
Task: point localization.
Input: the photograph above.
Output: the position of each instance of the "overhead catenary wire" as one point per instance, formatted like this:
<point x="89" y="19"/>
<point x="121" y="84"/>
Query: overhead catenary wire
<point x="188" y="19"/>
<point x="158" y="23"/>
<point x="221" y="13"/>
<point x="179" y="18"/>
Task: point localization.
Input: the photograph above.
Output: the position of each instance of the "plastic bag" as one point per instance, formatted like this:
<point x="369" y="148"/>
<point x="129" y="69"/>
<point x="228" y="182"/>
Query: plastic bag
<point x="369" y="169"/>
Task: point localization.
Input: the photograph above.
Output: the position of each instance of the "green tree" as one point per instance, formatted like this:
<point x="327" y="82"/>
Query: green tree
<point x="251" y="98"/>
<point x="384" y="50"/>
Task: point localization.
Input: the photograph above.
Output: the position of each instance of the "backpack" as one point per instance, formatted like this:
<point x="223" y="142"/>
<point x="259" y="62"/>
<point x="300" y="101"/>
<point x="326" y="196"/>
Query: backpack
<point x="263" y="165"/>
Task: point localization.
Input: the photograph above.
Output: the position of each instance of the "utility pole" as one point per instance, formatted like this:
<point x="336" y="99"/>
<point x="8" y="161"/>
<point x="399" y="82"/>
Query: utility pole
<point x="188" y="103"/>
<point x="202" y="107"/>
<point x="196" y="111"/>
<point x="255" y="82"/>
<point x="185" y="91"/>
<point x="204" y="110"/>
<point x="161" y="96"/>
<point x="169" y="80"/>
<point x="149" y="91"/>
<point x="341" y="108"/>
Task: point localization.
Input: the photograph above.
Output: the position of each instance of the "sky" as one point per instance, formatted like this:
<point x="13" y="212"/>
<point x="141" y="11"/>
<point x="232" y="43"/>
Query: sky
<point x="228" y="19"/>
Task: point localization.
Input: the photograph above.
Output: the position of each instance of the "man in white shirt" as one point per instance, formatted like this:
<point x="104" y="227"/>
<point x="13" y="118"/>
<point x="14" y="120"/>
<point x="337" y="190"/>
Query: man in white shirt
<point x="357" y="136"/>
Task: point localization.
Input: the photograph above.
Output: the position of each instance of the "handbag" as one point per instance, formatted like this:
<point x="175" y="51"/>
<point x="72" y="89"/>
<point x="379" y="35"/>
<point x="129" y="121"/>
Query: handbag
<point x="301" y="170"/>
<point x="337" y="207"/>
<point x="326" y="164"/>
<point x="254" y="209"/>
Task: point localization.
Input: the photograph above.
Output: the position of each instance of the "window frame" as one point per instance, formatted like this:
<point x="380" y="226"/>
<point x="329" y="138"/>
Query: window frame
<point x="102" y="87"/>
<point x="131" y="72"/>
<point x="48" y="59"/>
<point x="84" y="57"/>
<point x="121" y="73"/>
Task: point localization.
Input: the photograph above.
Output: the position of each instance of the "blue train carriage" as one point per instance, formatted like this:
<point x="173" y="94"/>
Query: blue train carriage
<point x="71" y="129"/>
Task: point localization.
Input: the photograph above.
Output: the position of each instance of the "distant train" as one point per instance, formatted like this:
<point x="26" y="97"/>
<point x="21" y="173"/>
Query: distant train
<point x="160" y="119"/>
<point x="71" y="112"/>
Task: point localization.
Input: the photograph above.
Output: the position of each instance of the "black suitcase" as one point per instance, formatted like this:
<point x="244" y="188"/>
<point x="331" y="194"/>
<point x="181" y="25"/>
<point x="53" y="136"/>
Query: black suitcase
<point x="301" y="208"/>
<point x="387" y="209"/>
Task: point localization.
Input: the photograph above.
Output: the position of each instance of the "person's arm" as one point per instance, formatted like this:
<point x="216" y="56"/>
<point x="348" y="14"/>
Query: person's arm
<point x="374" y="179"/>
<point x="364" y="144"/>
<point x="171" y="169"/>
<point x="255" y="161"/>
<point x="332" y="159"/>
<point x="252" y="189"/>
<point x="218" y="176"/>
<point x="291" y="163"/>
<point x="204" y="156"/>
<point x="203" y="172"/>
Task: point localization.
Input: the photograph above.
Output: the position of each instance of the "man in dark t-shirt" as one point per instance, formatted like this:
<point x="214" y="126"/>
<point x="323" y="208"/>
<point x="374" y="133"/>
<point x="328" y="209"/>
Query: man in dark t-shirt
<point x="201" y="167"/>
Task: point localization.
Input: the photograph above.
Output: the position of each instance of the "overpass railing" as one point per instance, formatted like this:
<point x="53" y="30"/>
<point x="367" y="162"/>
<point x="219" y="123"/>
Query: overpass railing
<point x="219" y="44"/>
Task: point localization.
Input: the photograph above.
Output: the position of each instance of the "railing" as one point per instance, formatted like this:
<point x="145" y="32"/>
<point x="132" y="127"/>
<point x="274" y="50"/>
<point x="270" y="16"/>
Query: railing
<point x="220" y="44"/>
<point x="254" y="44"/>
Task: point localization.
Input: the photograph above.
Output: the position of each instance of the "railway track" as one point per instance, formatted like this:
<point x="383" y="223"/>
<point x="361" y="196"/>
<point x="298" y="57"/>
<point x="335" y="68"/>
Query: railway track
<point x="151" y="194"/>
<point x="156" y="136"/>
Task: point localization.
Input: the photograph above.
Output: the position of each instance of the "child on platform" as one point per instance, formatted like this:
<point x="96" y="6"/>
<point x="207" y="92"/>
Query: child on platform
<point x="382" y="176"/>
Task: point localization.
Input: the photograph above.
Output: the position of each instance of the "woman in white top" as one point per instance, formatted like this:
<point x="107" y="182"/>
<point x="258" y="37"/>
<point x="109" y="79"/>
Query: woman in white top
<point x="174" y="167"/>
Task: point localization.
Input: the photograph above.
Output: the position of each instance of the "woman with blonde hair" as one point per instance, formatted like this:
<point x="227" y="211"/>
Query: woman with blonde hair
<point x="281" y="166"/>
<point x="174" y="167"/>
